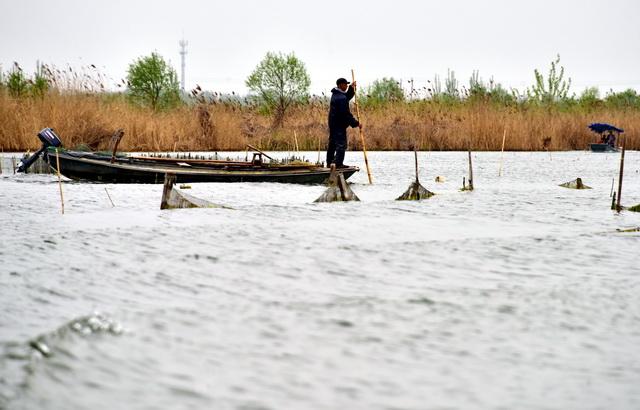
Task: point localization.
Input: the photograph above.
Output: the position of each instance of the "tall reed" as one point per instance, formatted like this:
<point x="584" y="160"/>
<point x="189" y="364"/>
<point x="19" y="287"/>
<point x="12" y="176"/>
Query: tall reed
<point x="91" y="118"/>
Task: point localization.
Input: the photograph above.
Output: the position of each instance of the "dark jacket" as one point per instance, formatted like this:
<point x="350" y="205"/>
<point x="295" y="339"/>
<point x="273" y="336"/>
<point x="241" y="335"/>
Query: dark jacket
<point x="340" y="116"/>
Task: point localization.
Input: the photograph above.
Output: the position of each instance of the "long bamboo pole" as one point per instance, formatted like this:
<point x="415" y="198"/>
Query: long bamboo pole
<point x="295" y="139"/>
<point x="504" y="136"/>
<point x="59" y="180"/>
<point x="618" y="205"/>
<point x="364" y="148"/>
<point x="470" y="173"/>
<point x="415" y="154"/>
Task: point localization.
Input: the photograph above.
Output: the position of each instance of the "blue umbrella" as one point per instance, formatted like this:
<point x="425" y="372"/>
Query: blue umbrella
<point x="602" y="127"/>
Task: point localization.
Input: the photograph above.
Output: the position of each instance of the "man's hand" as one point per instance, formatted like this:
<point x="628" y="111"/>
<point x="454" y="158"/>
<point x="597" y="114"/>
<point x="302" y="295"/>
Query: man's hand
<point x="353" y="84"/>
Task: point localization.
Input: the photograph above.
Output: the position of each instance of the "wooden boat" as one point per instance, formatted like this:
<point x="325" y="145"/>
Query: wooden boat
<point x="608" y="134"/>
<point x="602" y="148"/>
<point x="96" y="167"/>
<point x="104" y="167"/>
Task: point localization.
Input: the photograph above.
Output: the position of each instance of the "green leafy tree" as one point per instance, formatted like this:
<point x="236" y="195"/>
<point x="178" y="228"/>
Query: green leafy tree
<point x="628" y="98"/>
<point x="477" y="88"/>
<point x="153" y="82"/>
<point x="384" y="90"/>
<point x="552" y="89"/>
<point x="450" y="92"/>
<point x="40" y="82"/>
<point x="17" y="83"/>
<point x="279" y="81"/>
<point x="590" y="97"/>
<point x="451" y="85"/>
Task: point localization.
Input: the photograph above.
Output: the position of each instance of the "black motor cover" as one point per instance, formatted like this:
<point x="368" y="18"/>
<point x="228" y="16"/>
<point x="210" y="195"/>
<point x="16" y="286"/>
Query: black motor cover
<point x="49" y="139"/>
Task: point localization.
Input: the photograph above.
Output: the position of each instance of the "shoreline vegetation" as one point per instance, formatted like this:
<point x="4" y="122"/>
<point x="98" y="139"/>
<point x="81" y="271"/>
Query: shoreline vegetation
<point x="395" y="117"/>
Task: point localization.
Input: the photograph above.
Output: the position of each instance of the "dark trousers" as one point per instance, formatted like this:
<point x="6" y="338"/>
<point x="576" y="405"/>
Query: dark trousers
<point x="337" y="147"/>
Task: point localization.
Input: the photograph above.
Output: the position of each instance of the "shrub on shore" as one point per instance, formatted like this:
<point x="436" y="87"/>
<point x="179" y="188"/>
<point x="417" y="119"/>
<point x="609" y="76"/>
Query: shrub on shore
<point x="75" y="103"/>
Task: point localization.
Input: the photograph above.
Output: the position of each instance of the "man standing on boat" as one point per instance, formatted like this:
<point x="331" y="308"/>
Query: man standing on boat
<point x="340" y="118"/>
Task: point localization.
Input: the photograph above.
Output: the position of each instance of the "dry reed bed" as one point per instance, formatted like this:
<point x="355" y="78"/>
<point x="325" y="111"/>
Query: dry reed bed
<point x="91" y="119"/>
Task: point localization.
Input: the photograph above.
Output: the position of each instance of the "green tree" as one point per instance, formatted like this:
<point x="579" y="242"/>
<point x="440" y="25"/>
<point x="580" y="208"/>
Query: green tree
<point x="555" y="88"/>
<point x="450" y="92"/>
<point x="590" y="97"/>
<point x="17" y="83"/>
<point x="451" y="85"/>
<point x="153" y="82"/>
<point x="278" y="82"/>
<point x="384" y="90"/>
<point x="477" y="88"/>
<point x="628" y="98"/>
<point x="40" y="83"/>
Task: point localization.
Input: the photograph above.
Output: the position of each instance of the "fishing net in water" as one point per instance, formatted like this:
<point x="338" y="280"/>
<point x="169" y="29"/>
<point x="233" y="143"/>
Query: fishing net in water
<point x="173" y="198"/>
<point x="338" y="189"/>
<point x="635" y="208"/>
<point x="575" y="184"/>
<point x="415" y="192"/>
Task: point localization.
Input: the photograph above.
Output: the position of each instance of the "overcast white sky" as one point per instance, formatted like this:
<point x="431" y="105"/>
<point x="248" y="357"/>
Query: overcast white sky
<point x="598" y="40"/>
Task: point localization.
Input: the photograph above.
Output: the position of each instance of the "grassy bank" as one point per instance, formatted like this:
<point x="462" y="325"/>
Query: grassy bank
<point x="91" y="118"/>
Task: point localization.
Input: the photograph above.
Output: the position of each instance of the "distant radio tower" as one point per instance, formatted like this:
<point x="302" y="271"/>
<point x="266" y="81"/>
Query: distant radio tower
<point x="183" y="53"/>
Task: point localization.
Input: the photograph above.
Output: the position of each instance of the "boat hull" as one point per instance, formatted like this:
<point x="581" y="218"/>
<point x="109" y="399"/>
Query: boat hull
<point x="89" y="167"/>
<point x="602" y="148"/>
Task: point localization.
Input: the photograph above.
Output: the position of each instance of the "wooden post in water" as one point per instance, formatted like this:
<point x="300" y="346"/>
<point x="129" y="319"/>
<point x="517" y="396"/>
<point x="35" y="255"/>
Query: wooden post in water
<point x="415" y="154"/>
<point x="470" y="173"/>
<point x="618" y="205"/>
<point x="318" y="150"/>
<point x="504" y="136"/>
<point x="169" y="181"/>
<point x="59" y="181"/>
<point x="364" y="147"/>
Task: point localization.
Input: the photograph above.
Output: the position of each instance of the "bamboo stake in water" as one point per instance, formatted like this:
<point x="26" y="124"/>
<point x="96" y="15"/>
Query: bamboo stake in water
<point x="415" y="154"/>
<point x="470" y="173"/>
<point x="618" y="206"/>
<point x="364" y="148"/>
<point x="295" y="140"/>
<point x="110" y="200"/>
<point x="59" y="181"/>
<point x="504" y="136"/>
<point x="611" y="193"/>
<point x="318" y="150"/>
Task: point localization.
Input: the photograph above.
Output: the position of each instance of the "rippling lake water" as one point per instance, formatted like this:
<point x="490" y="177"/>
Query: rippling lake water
<point x="518" y="295"/>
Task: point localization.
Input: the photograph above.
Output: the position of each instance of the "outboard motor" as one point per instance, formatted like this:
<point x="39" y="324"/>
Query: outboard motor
<point x="49" y="139"/>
